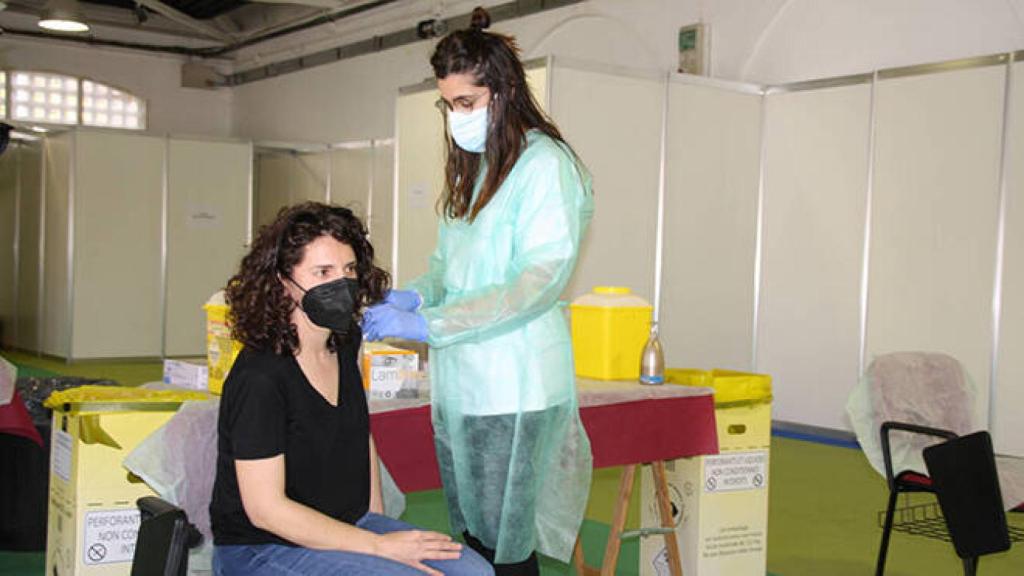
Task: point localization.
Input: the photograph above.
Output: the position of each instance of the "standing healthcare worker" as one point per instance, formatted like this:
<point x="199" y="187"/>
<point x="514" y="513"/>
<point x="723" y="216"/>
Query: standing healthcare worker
<point x="514" y="457"/>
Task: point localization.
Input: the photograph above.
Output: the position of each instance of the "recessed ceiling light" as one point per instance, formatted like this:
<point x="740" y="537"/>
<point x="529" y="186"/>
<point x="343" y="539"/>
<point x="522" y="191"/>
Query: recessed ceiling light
<point x="63" y="16"/>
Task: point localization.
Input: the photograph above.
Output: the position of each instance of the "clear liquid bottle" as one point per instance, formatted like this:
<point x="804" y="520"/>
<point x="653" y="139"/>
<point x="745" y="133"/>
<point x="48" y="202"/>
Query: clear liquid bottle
<point x="652" y="361"/>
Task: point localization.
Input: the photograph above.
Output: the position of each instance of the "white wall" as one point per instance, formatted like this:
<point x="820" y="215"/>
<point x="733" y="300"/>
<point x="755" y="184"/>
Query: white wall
<point x="154" y="78"/>
<point x="768" y="42"/>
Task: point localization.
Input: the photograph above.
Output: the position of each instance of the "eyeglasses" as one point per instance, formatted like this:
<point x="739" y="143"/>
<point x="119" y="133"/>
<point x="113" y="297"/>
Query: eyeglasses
<point x="461" y="104"/>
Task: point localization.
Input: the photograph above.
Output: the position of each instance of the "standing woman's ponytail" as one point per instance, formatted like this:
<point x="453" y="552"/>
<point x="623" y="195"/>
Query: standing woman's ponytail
<point x="480" y="19"/>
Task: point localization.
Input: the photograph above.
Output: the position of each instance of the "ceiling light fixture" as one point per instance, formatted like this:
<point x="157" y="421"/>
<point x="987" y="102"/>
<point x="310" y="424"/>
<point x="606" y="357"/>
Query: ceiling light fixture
<point x="63" y="16"/>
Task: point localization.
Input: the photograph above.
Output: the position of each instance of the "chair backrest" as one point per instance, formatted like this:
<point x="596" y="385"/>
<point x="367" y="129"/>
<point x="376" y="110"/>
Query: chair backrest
<point x="165" y="537"/>
<point x="963" y="472"/>
<point x="925" y="388"/>
<point x="921" y="388"/>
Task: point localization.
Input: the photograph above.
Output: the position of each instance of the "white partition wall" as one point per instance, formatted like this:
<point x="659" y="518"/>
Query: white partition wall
<point x="362" y="177"/>
<point x="816" y="181"/>
<point x="56" y="294"/>
<point x="419" y="133"/>
<point x="285" y="177"/>
<point x="273" y="172"/>
<point x="117" y="196"/>
<point x="309" y="177"/>
<point x="420" y="174"/>
<point x="208" y="200"/>
<point x="382" y="202"/>
<point x="351" y="169"/>
<point x="935" y="207"/>
<point x="1007" y="425"/>
<point x="8" y="233"/>
<point x="711" y="198"/>
<point x="613" y="120"/>
<point x="30" y="228"/>
<point x="128" y="238"/>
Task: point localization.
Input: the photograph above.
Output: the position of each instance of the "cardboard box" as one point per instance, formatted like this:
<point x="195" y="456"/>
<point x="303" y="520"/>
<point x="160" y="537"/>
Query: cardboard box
<point x="720" y="503"/>
<point x="190" y="374"/>
<point x="390" y="372"/>
<point x="93" y="521"/>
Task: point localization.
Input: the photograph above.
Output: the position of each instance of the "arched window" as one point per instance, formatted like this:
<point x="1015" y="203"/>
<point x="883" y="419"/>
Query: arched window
<point x="103" y="105"/>
<point x="48" y="98"/>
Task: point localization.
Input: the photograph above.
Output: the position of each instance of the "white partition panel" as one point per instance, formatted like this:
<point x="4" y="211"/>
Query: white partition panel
<point x="207" y="219"/>
<point x="1008" y="426"/>
<point x="816" y="181"/>
<point x="8" y="244"/>
<point x="285" y="177"/>
<point x="273" y="174"/>
<point x="309" y="177"/>
<point x="711" y="188"/>
<point x="350" y="178"/>
<point x="30" y="270"/>
<point x="613" y="121"/>
<point x="117" y="198"/>
<point x="420" y="180"/>
<point x="56" y="309"/>
<point x="420" y="140"/>
<point x="382" y="202"/>
<point x="934" y="217"/>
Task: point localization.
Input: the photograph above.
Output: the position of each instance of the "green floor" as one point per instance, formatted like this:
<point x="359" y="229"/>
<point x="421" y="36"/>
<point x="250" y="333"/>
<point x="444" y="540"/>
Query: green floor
<point x="126" y="373"/>
<point x="823" y="508"/>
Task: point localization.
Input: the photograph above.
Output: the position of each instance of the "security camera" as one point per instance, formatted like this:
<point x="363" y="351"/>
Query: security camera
<point x="431" y="28"/>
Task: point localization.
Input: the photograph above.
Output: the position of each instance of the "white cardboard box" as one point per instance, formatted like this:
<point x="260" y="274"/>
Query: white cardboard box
<point x="191" y="374"/>
<point x="719" y="502"/>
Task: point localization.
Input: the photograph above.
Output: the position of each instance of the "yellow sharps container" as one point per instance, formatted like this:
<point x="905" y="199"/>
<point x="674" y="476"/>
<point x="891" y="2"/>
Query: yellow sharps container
<point x="609" y="329"/>
<point x="221" y="348"/>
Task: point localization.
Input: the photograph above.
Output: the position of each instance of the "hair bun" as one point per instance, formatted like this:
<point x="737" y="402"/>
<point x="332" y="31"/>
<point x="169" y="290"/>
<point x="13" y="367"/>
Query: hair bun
<point x="480" y="19"/>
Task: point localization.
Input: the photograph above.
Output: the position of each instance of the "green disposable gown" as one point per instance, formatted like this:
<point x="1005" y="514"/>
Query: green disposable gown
<point x="515" y="460"/>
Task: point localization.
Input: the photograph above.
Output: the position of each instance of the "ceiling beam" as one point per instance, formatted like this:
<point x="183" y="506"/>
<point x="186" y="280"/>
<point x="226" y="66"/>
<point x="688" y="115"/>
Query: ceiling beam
<point x="186" y="20"/>
<point x="329" y="4"/>
<point x="337" y="7"/>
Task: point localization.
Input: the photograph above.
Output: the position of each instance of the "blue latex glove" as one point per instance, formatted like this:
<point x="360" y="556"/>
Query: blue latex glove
<point x="386" y="321"/>
<point x="407" y="300"/>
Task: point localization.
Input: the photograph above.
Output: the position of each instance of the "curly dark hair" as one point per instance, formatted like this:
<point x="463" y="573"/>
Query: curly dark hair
<point x="260" y="313"/>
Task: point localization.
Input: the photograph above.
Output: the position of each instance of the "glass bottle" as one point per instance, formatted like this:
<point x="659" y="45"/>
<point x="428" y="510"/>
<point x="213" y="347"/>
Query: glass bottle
<point x="652" y="361"/>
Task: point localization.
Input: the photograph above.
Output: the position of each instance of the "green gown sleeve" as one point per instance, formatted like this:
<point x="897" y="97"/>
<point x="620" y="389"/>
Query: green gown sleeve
<point x="552" y="208"/>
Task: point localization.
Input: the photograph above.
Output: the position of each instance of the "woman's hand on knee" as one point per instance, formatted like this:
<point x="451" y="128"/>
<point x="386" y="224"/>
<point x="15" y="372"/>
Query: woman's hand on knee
<point x="412" y="547"/>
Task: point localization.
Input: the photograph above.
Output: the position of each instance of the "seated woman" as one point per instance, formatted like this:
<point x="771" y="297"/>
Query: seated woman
<point x="298" y="486"/>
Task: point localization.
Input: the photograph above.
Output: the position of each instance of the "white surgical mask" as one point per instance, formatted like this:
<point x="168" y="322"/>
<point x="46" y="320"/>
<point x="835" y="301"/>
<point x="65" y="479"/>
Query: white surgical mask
<point x="469" y="129"/>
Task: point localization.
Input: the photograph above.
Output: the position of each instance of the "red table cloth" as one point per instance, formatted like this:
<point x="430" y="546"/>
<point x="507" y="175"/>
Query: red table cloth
<point x="666" y="423"/>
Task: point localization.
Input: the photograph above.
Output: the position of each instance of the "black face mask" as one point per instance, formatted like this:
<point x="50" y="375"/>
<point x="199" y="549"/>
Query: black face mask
<point x="332" y="304"/>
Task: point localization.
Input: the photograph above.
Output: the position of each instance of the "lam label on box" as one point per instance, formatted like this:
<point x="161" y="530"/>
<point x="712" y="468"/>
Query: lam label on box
<point x="389" y="375"/>
<point x="110" y="536"/>
<point x="736" y="471"/>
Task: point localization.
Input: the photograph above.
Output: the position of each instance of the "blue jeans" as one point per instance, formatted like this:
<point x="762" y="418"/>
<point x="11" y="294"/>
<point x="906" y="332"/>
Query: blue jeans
<point x="277" y="559"/>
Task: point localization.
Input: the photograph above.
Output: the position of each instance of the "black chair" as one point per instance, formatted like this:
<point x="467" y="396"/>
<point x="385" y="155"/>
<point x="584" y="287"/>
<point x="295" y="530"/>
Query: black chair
<point x="165" y="537"/>
<point x="963" y="473"/>
<point x="905" y="482"/>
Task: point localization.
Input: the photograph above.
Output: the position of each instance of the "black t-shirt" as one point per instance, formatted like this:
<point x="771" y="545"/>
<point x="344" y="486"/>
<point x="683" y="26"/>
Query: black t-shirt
<point x="268" y="408"/>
